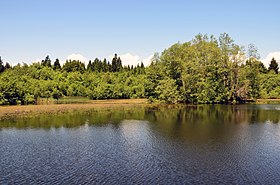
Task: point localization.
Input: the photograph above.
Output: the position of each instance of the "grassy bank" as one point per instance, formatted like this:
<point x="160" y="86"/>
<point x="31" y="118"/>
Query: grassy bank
<point x="70" y="104"/>
<point x="268" y="101"/>
<point x="33" y="110"/>
<point x="64" y="100"/>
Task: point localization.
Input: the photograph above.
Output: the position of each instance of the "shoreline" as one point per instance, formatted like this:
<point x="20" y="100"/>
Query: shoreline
<point x="264" y="101"/>
<point x="15" y="111"/>
<point x="28" y="110"/>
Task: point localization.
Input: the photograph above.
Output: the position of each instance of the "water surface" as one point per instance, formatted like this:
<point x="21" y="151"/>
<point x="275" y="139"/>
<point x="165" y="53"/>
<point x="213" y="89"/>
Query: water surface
<point x="212" y="144"/>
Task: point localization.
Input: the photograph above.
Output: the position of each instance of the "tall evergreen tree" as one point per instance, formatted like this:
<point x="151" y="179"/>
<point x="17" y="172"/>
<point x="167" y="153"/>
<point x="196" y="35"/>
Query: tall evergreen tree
<point x="105" y="66"/>
<point x="7" y="66"/>
<point x="109" y="67"/>
<point x="119" y="64"/>
<point x="97" y="65"/>
<point x="114" y="63"/>
<point x="56" y="64"/>
<point x="47" y="62"/>
<point x="2" y="68"/>
<point x="273" y="66"/>
<point x="89" y="66"/>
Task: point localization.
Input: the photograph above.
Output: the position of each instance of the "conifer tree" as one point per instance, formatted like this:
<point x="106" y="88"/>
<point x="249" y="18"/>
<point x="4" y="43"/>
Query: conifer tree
<point x="2" y="68"/>
<point x="114" y="63"/>
<point x="56" y="64"/>
<point x="89" y="66"/>
<point x="273" y="66"/>
<point x="7" y="66"/>
<point x="46" y="62"/>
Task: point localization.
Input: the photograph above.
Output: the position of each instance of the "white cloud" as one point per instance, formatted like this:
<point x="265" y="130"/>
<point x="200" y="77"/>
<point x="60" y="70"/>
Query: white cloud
<point x="147" y="61"/>
<point x="36" y="61"/>
<point x="130" y="59"/>
<point x="266" y="61"/>
<point x="75" y="56"/>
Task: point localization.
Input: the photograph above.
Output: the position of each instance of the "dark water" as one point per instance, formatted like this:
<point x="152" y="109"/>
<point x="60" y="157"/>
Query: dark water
<point x="167" y="145"/>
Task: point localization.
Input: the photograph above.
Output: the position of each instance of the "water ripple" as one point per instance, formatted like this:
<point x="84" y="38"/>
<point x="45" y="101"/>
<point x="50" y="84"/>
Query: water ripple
<point x="141" y="152"/>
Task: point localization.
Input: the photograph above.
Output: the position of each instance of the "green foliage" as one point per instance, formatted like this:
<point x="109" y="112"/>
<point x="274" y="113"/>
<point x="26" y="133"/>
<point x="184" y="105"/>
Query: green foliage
<point x="167" y="91"/>
<point x="73" y="66"/>
<point x="270" y="84"/>
<point x="206" y="70"/>
<point x="27" y="84"/>
<point x="203" y="70"/>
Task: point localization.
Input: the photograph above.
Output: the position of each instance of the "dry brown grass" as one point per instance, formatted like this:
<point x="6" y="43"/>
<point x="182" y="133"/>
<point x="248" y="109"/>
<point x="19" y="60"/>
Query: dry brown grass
<point x="29" y="110"/>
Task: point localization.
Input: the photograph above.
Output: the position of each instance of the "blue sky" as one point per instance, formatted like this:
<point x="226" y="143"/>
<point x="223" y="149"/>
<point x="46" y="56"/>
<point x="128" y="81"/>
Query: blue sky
<point x="32" y="29"/>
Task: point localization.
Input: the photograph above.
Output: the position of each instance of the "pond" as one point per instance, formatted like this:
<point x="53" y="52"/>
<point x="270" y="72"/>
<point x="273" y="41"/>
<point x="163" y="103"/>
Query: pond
<point x="204" y="144"/>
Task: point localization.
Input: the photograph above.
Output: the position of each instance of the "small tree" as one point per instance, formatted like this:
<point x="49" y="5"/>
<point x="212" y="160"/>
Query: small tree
<point x="273" y="66"/>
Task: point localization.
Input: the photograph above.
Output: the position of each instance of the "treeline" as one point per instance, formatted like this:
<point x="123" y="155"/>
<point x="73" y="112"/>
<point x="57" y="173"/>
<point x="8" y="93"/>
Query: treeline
<point x="203" y="70"/>
<point x="96" y="66"/>
<point x="25" y="84"/>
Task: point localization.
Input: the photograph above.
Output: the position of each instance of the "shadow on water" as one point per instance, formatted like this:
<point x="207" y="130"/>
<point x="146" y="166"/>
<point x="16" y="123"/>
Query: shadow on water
<point x="172" y="120"/>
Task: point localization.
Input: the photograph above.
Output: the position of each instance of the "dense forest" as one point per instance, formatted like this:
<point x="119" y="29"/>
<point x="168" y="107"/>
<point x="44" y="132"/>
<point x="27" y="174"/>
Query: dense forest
<point x="203" y="70"/>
